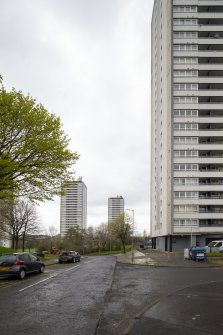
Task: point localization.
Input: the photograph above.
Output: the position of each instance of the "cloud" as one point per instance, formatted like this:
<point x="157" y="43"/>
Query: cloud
<point x="88" y="62"/>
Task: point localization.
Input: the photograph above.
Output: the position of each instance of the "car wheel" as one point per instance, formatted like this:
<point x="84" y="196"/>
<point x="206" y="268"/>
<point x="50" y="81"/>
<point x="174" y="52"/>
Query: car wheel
<point x="42" y="269"/>
<point x="22" y="274"/>
<point x="60" y="261"/>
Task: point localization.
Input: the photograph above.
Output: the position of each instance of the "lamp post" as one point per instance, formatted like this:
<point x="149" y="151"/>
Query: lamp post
<point x="132" y="210"/>
<point x="191" y="235"/>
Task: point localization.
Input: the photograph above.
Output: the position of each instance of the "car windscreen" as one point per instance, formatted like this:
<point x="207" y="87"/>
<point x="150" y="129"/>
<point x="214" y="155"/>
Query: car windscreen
<point x="7" y="258"/>
<point x="65" y="254"/>
<point x="212" y="244"/>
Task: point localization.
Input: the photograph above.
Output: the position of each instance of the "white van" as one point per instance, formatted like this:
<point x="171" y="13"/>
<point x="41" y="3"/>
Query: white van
<point x="215" y="246"/>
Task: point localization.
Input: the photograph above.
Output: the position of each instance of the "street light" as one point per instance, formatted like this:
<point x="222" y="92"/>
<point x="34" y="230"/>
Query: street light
<point x="132" y="210"/>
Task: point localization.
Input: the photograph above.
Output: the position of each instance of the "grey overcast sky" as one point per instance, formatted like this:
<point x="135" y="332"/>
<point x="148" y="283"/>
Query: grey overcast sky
<point x="88" y="61"/>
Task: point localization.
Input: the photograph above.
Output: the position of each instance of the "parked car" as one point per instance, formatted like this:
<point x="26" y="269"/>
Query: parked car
<point x="69" y="256"/>
<point x="20" y="264"/>
<point x="215" y="246"/>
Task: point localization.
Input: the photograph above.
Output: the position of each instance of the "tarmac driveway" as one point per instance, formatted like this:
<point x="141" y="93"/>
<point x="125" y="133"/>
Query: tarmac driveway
<point x="194" y="310"/>
<point x="158" y="300"/>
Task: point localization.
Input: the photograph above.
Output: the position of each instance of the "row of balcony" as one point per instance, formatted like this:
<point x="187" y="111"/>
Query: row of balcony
<point x="198" y="115"/>
<point x="200" y="126"/>
<point x="198" y="154"/>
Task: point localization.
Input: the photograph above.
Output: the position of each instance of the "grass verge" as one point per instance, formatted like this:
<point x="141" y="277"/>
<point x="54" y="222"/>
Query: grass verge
<point x="110" y="252"/>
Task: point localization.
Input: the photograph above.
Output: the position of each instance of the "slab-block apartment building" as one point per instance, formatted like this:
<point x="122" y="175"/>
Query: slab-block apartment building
<point x="115" y="207"/>
<point x="73" y="207"/>
<point x="186" y="123"/>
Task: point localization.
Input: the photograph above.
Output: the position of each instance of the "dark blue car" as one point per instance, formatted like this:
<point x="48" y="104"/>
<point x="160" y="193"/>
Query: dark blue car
<point x="20" y="264"/>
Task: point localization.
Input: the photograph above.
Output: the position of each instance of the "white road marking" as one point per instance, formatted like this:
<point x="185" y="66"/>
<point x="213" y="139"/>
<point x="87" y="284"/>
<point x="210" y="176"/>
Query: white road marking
<point x="72" y="268"/>
<point x="41" y="281"/>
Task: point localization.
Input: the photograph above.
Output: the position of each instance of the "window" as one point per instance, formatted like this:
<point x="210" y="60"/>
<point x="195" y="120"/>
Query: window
<point x="186" y="222"/>
<point x="185" y="167"/>
<point x="185" y="34"/>
<point x="185" y="87"/>
<point x="185" y="47"/>
<point x="24" y="257"/>
<point x="185" y="60"/>
<point x="185" y="140"/>
<point x="185" y="208"/>
<point x="185" y="153"/>
<point x="33" y="258"/>
<point x="185" y="181"/>
<point x="185" y="22"/>
<point x="181" y="73"/>
<point x="185" y="194"/>
<point x="185" y="113"/>
<point x="185" y="100"/>
<point x="184" y="9"/>
<point x="185" y="126"/>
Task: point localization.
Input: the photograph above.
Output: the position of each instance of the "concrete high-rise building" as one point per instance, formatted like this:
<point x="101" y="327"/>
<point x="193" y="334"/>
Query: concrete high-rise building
<point x="73" y="207"/>
<point x="115" y="207"/>
<point x="187" y="123"/>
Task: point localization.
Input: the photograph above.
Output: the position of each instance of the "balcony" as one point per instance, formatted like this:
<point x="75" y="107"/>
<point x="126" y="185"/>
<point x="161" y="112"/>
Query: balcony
<point x="199" y="187"/>
<point x="211" y="223"/>
<point x="195" y="133"/>
<point x="201" y="3"/>
<point x="210" y="195"/>
<point x="198" y="201"/>
<point x="198" y="80"/>
<point x="211" y="141"/>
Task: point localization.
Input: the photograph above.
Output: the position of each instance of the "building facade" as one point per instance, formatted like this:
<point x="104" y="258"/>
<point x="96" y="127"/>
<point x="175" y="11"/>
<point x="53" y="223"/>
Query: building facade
<point x="115" y="207"/>
<point x="73" y="207"/>
<point x="187" y="123"/>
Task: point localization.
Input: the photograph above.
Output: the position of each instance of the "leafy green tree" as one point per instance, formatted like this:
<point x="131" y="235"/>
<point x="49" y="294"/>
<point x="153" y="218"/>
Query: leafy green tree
<point x="74" y="238"/>
<point x="34" y="157"/>
<point x="121" y="228"/>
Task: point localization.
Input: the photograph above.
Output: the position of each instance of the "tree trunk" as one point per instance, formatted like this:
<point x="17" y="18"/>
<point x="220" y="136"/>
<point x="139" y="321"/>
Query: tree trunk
<point x="16" y="244"/>
<point x="123" y="244"/>
<point x="13" y="243"/>
<point x="23" y="241"/>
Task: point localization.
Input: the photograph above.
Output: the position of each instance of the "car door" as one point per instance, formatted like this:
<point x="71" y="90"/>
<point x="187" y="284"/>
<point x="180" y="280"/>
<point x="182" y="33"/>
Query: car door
<point x="35" y="264"/>
<point x="27" y="262"/>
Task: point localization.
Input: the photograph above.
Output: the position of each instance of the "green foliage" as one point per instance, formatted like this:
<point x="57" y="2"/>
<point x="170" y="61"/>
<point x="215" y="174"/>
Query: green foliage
<point x="115" y="250"/>
<point x="34" y="156"/>
<point x="214" y="254"/>
<point x="4" y="250"/>
<point x="121" y="228"/>
<point x="74" y="238"/>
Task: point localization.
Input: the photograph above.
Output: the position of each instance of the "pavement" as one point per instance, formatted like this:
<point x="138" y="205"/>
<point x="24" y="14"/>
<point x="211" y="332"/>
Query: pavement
<point x="153" y="257"/>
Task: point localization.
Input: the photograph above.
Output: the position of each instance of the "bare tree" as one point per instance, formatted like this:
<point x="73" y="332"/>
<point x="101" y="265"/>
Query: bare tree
<point x="19" y="218"/>
<point x="121" y="228"/>
<point x="101" y="236"/>
<point x="89" y="239"/>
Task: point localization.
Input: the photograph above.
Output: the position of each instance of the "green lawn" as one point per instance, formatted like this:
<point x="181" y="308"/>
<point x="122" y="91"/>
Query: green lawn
<point x="46" y="257"/>
<point x="108" y="252"/>
<point x="214" y="254"/>
<point x="4" y="250"/>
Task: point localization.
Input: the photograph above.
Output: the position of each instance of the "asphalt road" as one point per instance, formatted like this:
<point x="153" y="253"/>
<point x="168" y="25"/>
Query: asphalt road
<point x="66" y="299"/>
<point x="163" y="300"/>
<point x="102" y="297"/>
